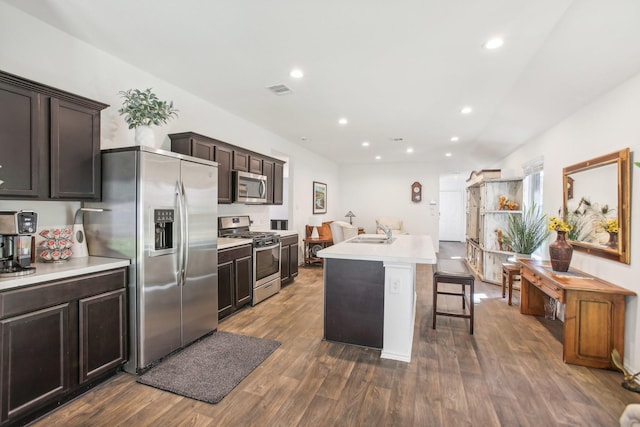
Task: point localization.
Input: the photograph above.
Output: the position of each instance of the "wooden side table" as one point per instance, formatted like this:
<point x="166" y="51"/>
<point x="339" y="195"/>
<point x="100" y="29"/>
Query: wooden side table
<point x="311" y="247"/>
<point x="361" y="230"/>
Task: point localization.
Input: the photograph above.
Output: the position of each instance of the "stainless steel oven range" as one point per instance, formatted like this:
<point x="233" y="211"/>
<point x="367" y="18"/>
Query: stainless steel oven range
<point x="266" y="254"/>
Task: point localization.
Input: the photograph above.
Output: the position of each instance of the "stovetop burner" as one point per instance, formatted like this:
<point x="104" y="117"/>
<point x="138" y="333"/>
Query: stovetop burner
<point x="238" y="228"/>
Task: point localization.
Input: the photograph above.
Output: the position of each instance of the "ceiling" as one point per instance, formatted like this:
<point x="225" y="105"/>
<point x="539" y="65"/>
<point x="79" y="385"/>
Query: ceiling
<point x="399" y="70"/>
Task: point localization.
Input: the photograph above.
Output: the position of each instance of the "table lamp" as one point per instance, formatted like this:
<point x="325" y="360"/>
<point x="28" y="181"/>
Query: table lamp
<point x="315" y="222"/>
<point x="350" y="215"/>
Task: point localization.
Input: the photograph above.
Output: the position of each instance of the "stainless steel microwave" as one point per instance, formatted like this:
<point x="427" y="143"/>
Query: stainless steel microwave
<point x="249" y="188"/>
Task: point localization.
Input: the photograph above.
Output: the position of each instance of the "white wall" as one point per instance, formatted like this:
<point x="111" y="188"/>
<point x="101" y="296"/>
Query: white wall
<point x="376" y="190"/>
<point x="39" y="52"/>
<point x="606" y="125"/>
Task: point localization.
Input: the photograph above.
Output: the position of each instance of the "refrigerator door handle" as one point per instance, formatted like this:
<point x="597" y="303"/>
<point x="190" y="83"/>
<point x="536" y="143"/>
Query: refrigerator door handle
<point x="180" y="198"/>
<point x="185" y="238"/>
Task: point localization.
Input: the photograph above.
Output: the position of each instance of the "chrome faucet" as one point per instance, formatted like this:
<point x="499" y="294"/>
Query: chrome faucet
<point x="386" y="230"/>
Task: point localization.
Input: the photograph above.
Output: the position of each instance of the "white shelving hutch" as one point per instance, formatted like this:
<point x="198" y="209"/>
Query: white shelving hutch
<point x="484" y="216"/>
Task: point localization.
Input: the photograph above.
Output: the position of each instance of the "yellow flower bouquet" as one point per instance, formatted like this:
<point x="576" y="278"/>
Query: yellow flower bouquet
<point x="611" y="226"/>
<point x="557" y="224"/>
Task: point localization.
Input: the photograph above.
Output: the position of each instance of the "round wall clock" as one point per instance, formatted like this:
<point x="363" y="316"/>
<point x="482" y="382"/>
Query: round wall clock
<point x="416" y="192"/>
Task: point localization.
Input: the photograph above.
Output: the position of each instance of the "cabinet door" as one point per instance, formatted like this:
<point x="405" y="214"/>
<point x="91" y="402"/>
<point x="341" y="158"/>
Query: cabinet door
<point x="35" y="359"/>
<point x="102" y="333"/>
<point x="244" y="282"/>
<point x="223" y="156"/>
<point x="226" y="284"/>
<point x="285" y="269"/>
<point x="278" y="180"/>
<point x="255" y="165"/>
<point x="267" y="170"/>
<point x="202" y="149"/>
<point x="19" y="161"/>
<point x="75" y="151"/>
<point x="240" y="161"/>
<point x="293" y="260"/>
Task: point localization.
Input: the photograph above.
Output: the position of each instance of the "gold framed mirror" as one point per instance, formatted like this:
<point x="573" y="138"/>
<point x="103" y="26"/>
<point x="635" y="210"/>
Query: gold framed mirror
<point x="596" y="202"/>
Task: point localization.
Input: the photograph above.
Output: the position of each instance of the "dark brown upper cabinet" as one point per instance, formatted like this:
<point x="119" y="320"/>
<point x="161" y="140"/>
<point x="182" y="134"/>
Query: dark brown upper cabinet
<point x="240" y="161"/>
<point x="19" y="141"/>
<point x="50" y="142"/>
<point x="255" y="165"/>
<point x="230" y="158"/>
<point x="267" y="170"/>
<point x="278" y="182"/>
<point x="223" y="157"/>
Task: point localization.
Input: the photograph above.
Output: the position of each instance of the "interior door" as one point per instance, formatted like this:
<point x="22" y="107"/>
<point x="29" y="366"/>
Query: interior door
<point x="200" y="290"/>
<point x="452" y="216"/>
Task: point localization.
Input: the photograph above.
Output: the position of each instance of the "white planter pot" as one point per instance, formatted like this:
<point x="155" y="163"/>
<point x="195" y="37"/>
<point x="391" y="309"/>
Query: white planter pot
<point x="145" y="136"/>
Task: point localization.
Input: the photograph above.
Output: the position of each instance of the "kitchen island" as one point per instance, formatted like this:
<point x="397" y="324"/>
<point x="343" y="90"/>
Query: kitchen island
<point x="370" y="292"/>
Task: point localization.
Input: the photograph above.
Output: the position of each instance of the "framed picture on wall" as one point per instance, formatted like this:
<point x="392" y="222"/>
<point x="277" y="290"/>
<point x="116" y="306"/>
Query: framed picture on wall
<point x="319" y="198"/>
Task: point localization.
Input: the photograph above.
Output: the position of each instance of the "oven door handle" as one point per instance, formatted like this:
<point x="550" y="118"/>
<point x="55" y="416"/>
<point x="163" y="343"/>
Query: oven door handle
<point x="266" y="248"/>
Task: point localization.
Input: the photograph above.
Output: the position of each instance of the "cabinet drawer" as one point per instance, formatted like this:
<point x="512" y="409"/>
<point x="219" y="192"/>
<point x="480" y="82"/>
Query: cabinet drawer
<point x="227" y="255"/>
<point x="548" y="288"/>
<point x="289" y="240"/>
<point x="33" y="298"/>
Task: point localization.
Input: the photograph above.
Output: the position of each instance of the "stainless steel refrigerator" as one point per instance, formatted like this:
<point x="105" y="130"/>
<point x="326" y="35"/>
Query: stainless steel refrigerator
<point x="162" y="214"/>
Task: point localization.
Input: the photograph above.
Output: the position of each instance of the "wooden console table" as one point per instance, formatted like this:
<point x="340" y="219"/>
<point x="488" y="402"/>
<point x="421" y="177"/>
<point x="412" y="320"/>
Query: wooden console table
<point x="594" y="311"/>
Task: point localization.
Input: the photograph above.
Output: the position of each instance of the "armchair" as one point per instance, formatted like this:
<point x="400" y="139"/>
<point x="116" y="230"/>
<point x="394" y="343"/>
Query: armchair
<point x="389" y="222"/>
<point x="341" y="230"/>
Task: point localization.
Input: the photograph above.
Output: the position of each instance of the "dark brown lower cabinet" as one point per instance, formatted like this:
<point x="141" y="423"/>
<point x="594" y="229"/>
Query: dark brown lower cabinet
<point x="35" y="359"/>
<point x="289" y="258"/>
<point x="102" y="333"/>
<point x="235" y="279"/>
<point x="59" y="338"/>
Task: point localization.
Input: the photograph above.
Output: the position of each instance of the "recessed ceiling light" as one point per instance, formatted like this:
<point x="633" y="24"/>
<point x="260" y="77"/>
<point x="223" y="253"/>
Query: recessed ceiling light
<point x="409" y="150"/>
<point x="296" y="73"/>
<point x="447" y="154"/>
<point x="365" y="143"/>
<point x="343" y="121"/>
<point x="494" y="43"/>
<point x="378" y="157"/>
<point x="455" y="139"/>
<point x="466" y="110"/>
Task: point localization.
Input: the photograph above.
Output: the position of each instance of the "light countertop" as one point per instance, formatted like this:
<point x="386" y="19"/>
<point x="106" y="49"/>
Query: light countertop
<point x="413" y="249"/>
<point x="228" y="242"/>
<point x="46" y="272"/>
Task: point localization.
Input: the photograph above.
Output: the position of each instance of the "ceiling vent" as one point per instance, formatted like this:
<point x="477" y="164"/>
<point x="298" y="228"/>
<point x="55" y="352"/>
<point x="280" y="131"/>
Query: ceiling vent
<point x="280" y="90"/>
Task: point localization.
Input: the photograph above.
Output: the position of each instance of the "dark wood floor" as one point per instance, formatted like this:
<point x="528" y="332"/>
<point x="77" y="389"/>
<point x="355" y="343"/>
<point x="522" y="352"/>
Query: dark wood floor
<point x="510" y="373"/>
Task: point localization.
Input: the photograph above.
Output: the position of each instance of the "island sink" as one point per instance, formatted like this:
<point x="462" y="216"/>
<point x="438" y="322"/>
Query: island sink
<point x="368" y="238"/>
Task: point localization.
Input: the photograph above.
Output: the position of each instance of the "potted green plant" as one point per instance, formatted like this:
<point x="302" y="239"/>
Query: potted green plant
<point x="142" y="109"/>
<point x="527" y="231"/>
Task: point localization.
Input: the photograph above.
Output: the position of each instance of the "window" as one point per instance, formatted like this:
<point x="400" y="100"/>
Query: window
<point x="532" y="183"/>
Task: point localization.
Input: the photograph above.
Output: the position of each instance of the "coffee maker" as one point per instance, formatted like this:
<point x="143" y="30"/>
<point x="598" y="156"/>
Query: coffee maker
<point x="16" y="229"/>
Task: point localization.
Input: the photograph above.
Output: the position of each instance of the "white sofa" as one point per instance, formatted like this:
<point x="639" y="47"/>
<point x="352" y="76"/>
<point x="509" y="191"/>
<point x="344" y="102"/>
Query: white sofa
<point x="631" y="416"/>
<point x="393" y="223"/>
<point x="341" y="230"/>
